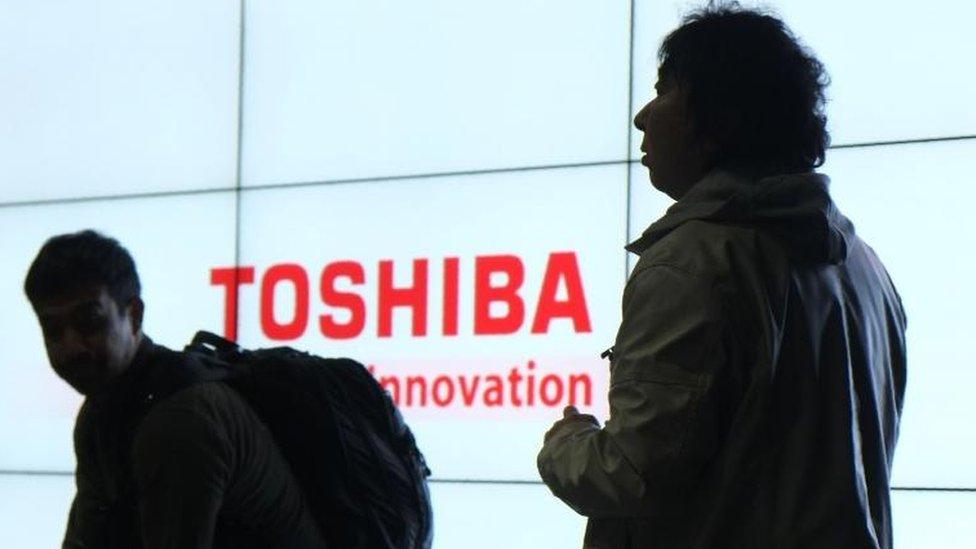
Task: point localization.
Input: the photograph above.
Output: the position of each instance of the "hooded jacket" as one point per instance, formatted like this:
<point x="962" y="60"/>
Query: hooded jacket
<point x="756" y="382"/>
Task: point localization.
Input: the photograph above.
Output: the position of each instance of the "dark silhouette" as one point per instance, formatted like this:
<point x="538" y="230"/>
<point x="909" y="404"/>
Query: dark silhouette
<point x="216" y="446"/>
<point x="757" y="378"/>
<point x="754" y="93"/>
<point x="195" y="470"/>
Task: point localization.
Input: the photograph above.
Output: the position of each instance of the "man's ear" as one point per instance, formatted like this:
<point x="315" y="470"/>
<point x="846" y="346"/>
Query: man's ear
<point x="731" y="128"/>
<point x="136" y="310"/>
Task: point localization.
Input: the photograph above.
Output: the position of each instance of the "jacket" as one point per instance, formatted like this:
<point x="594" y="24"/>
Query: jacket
<point x="756" y="383"/>
<point x="197" y="469"/>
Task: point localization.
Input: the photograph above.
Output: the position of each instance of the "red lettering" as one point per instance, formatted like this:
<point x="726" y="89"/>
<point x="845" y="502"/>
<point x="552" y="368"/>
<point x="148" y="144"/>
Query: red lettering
<point x="549" y="381"/>
<point x="294" y="328"/>
<point x="494" y="395"/>
<point x="421" y="383"/>
<point x="231" y="278"/>
<point x="443" y="399"/>
<point x="485" y="294"/>
<point x="468" y="393"/>
<point x="561" y="266"/>
<point x="342" y="300"/>
<point x="586" y="382"/>
<point x="414" y="297"/>
<point x="514" y="377"/>
<point x="551" y="389"/>
<point x="450" y="317"/>
<point x="499" y="306"/>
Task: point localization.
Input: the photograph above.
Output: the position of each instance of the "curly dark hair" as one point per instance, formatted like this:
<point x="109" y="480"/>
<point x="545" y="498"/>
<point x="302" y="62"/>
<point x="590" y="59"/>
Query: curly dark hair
<point x="753" y="89"/>
<point x="71" y="262"/>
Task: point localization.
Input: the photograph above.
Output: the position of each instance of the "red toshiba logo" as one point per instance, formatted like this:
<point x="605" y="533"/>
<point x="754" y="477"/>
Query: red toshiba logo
<point x="561" y="271"/>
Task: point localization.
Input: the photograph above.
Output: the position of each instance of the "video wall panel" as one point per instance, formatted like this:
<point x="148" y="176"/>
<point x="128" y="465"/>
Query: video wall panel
<point x="174" y="240"/>
<point x="897" y="69"/>
<point x="482" y="303"/>
<point x="503" y="515"/>
<point x="465" y="515"/>
<point x="34" y="509"/>
<point x="114" y="97"/>
<point x="910" y="203"/>
<point x="485" y="515"/>
<point x="402" y="88"/>
<point x="933" y="519"/>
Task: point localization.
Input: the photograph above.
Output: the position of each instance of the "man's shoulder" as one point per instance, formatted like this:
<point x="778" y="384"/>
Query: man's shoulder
<point x="704" y="249"/>
<point x="205" y="414"/>
<point x="209" y="399"/>
<point x="159" y="355"/>
<point x="85" y="424"/>
<point x="180" y="378"/>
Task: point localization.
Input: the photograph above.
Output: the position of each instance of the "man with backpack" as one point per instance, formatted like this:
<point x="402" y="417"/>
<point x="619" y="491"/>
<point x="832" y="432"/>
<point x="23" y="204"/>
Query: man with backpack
<point x="207" y="448"/>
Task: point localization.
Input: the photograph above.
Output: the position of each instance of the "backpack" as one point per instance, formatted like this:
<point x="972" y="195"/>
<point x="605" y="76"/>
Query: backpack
<point x="347" y="444"/>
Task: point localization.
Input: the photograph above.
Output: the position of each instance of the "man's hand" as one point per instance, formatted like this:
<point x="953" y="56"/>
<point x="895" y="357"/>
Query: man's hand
<point x="571" y="416"/>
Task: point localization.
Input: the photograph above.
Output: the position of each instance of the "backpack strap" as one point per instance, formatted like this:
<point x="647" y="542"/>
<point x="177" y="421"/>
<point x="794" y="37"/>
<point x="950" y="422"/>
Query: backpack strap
<point x="209" y="343"/>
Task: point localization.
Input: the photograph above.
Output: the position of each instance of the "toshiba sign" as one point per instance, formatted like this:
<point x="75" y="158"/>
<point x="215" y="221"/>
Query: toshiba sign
<point x="480" y="303"/>
<point x="561" y="268"/>
<point x="497" y="285"/>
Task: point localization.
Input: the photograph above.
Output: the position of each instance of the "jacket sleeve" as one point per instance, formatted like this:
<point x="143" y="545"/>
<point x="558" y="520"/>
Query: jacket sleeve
<point x="182" y="464"/>
<point x="88" y="518"/>
<point x="670" y="346"/>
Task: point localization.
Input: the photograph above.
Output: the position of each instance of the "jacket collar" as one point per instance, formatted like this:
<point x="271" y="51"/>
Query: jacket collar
<point x="796" y="208"/>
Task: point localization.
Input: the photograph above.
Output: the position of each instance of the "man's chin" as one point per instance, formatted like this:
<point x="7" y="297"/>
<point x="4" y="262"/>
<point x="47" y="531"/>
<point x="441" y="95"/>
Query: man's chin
<point x="80" y="388"/>
<point x="86" y="387"/>
<point x="660" y="186"/>
<point x="667" y="185"/>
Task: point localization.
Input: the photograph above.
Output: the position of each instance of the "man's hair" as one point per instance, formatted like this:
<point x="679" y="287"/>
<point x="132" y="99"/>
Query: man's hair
<point x="71" y="262"/>
<point x="753" y="89"/>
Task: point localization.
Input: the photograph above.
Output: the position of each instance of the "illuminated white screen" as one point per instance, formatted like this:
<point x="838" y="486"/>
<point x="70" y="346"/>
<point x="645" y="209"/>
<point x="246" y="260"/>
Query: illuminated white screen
<point x="34" y="509"/>
<point x="479" y="515"/>
<point x="899" y="70"/>
<point x="910" y="202"/>
<point x="116" y="97"/>
<point x="355" y="88"/>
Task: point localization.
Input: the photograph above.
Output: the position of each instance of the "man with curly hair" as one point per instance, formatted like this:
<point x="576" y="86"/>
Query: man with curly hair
<point x="758" y="373"/>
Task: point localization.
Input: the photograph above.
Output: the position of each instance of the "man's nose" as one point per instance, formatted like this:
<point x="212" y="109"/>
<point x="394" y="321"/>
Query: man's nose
<point x="639" y="119"/>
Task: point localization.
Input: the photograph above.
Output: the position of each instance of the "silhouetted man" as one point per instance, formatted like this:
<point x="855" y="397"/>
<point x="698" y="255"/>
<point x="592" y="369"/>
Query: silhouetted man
<point x="757" y="377"/>
<point x="197" y="469"/>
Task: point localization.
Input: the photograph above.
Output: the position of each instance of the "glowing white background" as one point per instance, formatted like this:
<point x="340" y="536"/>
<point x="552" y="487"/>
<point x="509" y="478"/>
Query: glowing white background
<point x="430" y="86"/>
<point x="107" y="98"/>
<point x="115" y="96"/>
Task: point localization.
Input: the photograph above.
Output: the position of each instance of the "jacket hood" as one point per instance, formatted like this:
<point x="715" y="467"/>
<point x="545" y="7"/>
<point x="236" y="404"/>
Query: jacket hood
<point x="795" y="208"/>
